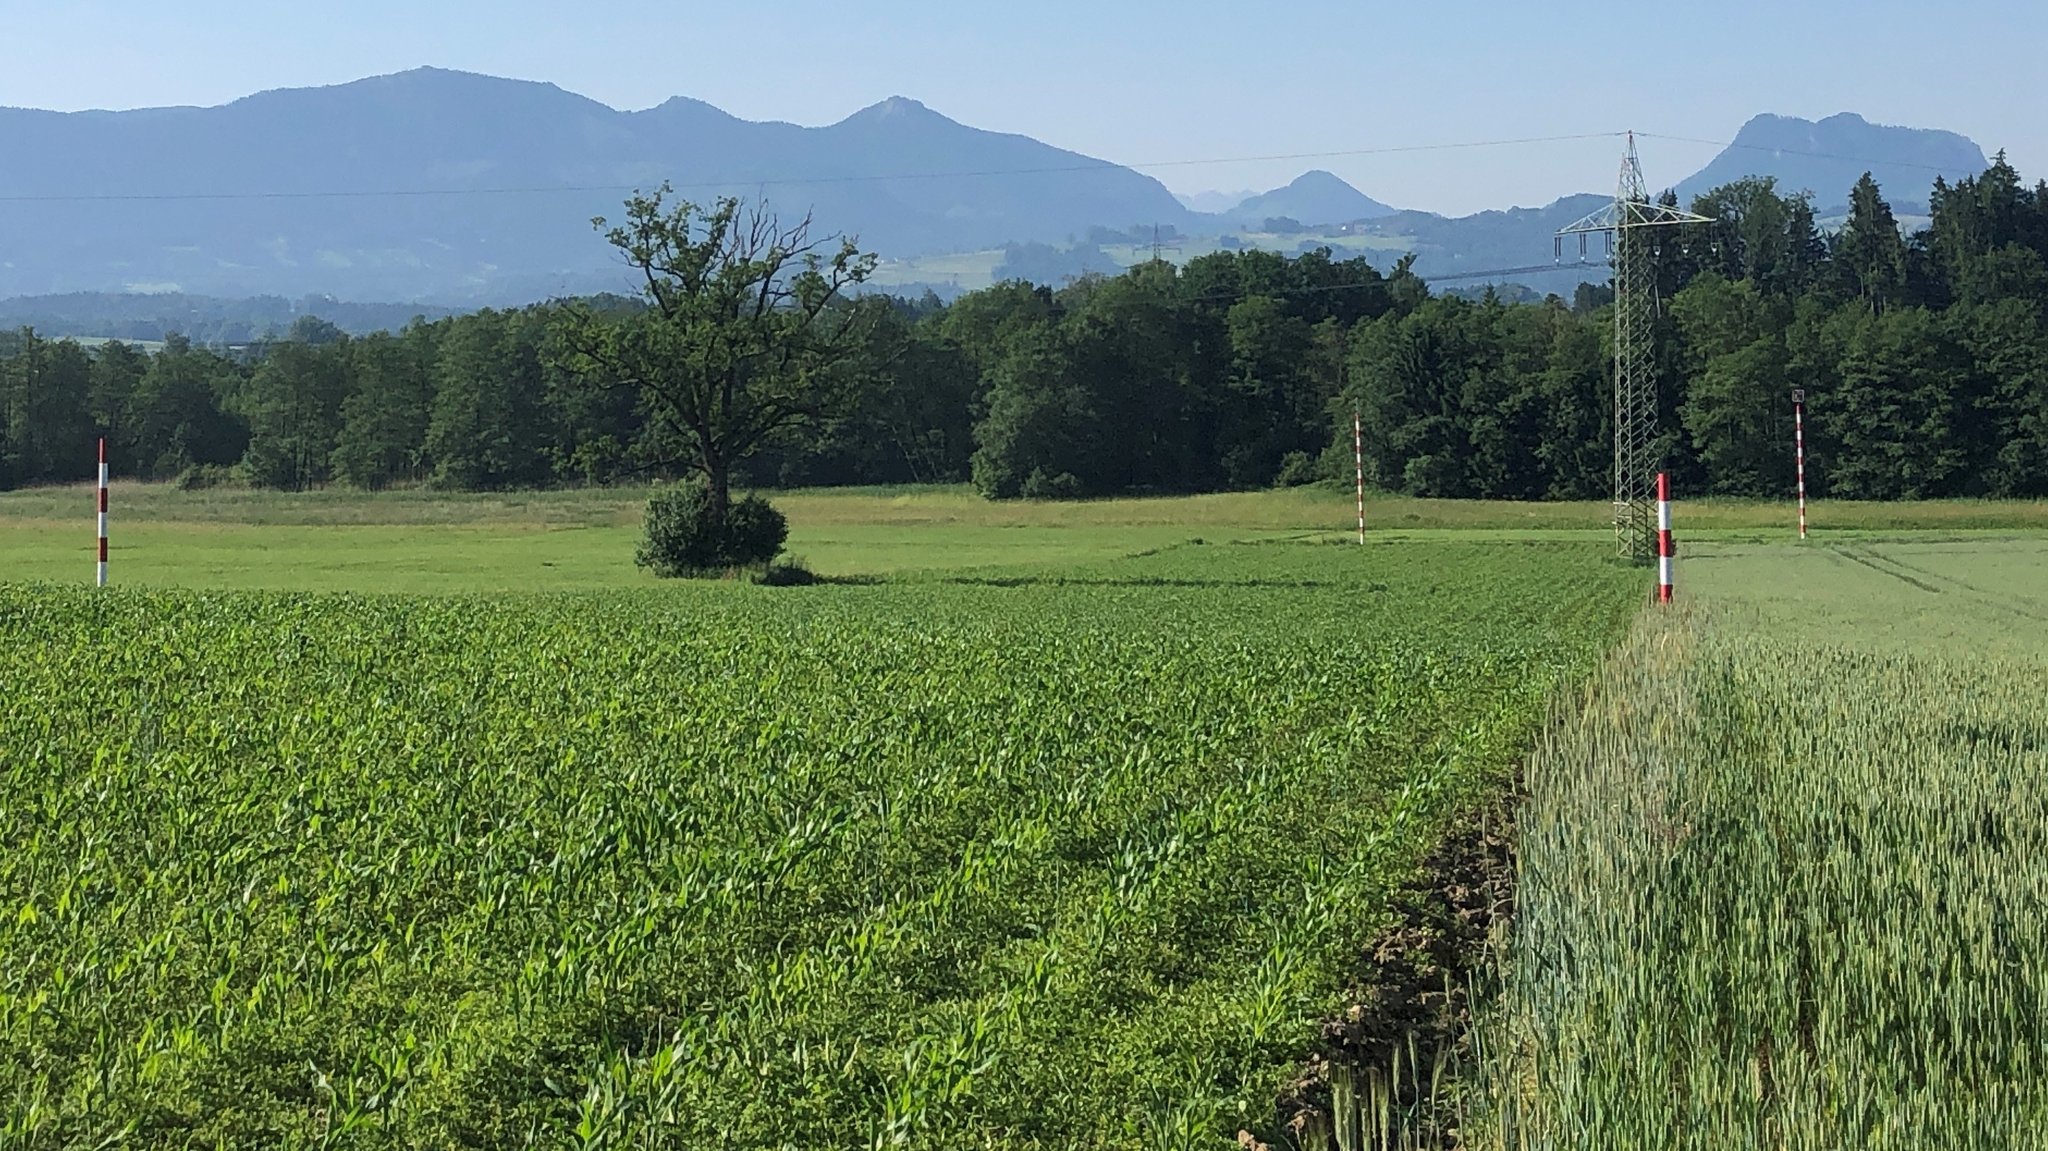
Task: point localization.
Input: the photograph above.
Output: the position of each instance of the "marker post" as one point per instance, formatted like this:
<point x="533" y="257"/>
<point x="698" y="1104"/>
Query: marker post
<point x="1799" y="450"/>
<point x="103" y="514"/>
<point x="1358" y="457"/>
<point x="1665" y="549"/>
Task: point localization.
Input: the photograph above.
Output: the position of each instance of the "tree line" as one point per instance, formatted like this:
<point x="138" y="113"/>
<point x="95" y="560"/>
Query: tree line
<point x="1924" y="359"/>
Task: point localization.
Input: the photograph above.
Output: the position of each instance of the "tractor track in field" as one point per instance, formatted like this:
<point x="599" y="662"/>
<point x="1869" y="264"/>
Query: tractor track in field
<point x="1872" y="562"/>
<point x="1920" y="577"/>
<point x="1993" y="598"/>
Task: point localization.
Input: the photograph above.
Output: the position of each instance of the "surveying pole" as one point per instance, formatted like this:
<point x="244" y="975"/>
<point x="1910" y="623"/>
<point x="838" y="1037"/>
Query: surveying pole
<point x="1799" y="450"/>
<point x="1358" y="459"/>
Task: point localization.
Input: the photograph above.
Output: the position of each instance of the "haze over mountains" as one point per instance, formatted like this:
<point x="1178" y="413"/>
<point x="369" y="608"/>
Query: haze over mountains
<point x="1214" y="202"/>
<point x="456" y="188"/>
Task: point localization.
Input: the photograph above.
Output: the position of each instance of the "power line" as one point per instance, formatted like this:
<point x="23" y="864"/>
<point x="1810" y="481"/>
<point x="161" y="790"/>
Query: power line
<point x="787" y="181"/>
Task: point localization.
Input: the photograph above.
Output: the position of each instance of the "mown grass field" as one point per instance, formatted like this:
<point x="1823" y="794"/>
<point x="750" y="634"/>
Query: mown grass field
<point x="1074" y="856"/>
<point x="1781" y="881"/>
<point x="425" y="541"/>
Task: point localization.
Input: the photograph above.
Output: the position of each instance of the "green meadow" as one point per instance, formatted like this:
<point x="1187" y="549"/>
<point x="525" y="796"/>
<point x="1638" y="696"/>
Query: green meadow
<point x="427" y="541"/>
<point x="414" y="819"/>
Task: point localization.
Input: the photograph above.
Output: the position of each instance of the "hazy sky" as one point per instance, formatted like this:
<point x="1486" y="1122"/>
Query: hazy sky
<point x="1135" y="81"/>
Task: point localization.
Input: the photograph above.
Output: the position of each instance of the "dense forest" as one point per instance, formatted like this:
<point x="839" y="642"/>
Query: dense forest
<point x="1924" y="359"/>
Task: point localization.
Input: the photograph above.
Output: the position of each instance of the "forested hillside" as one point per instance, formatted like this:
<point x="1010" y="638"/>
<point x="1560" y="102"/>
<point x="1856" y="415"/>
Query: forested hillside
<point x="1924" y="359"/>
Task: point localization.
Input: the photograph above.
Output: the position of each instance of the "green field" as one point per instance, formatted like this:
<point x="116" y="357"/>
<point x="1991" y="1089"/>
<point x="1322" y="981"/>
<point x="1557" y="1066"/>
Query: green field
<point x="425" y="541"/>
<point x="1077" y="858"/>
<point x="1782" y="881"/>
<point x="1061" y="825"/>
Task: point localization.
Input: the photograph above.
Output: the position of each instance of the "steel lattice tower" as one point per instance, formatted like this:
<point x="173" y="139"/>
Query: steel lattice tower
<point x="1626" y="226"/>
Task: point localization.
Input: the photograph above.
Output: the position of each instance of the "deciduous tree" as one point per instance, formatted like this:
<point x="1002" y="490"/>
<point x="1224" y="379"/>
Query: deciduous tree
<point x="747" y="330"/>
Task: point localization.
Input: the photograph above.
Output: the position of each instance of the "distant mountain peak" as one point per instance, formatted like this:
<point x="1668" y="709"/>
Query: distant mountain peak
<point x="896" y="108"/>
<point x="1778" y="128"/>
<point x="1318" y="178"/>
<point x="1314" y="197"/>
<point x="427" y="77"/>
<point x="428" y="91"/>
<point x="686" y="102"/>
<point x="1826" y="157"/>
<point x="688" y="110"/>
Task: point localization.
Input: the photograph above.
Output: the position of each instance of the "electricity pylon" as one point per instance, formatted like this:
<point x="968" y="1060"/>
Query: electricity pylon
<point x="1626" y="225"/>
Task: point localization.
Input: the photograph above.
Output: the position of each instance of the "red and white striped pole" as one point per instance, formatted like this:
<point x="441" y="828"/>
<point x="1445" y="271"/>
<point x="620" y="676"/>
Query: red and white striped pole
<point x="103" y="512"/>
<point x="1799" y="450"/>
<point x="1358" y="457"/>
<point x="1664" y="547"/>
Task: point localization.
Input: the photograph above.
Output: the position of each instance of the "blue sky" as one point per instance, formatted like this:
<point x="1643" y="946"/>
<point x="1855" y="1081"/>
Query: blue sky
<point x="1136" y="81"/>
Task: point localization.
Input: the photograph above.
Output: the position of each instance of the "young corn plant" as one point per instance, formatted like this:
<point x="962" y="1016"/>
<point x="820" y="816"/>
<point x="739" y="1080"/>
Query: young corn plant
<point x="923" y="864"/>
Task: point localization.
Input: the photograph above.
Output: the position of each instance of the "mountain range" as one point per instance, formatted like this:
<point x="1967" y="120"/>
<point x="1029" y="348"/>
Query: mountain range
<point x="455" y="188"/>
<point x="438" y="183"/>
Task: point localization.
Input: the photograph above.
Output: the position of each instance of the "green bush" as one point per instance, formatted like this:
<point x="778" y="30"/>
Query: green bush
<point x="1297" y="469"/>
<point x="1041" y="486"/>
<point x="685" y="538"/>
<point x="199" y="477"/>
<point x="754" y="532"/>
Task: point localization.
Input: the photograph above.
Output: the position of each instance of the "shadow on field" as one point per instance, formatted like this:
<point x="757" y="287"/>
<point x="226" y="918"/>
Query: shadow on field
<point x="813" y="579"/>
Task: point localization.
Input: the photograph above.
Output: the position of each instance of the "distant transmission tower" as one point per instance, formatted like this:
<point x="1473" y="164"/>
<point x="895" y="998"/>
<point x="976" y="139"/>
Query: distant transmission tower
<point x="1626" y="226"/>
<point x="1159" y="248"/>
